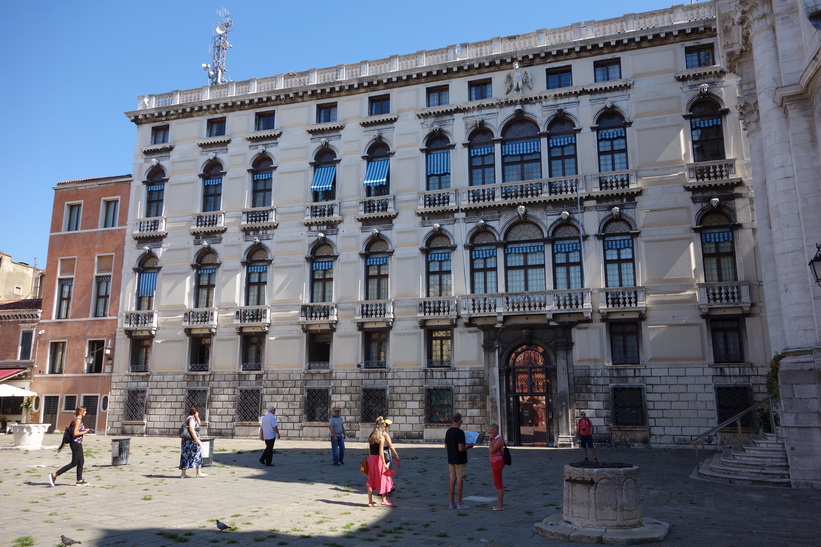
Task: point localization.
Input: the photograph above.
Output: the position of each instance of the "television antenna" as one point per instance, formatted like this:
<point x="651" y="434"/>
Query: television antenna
<point x="219" y="46"/>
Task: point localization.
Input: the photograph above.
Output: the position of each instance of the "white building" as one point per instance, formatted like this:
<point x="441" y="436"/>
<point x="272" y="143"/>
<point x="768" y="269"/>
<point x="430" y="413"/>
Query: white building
<point x="516" y="229"/>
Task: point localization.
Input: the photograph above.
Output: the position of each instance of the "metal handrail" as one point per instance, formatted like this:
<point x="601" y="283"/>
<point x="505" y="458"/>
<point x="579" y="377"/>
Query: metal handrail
<point x="699" y="441"/>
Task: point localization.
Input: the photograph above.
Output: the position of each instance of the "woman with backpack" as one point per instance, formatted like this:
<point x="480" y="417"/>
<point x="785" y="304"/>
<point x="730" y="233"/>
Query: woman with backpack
<point x="496" y="448"/>
<point x="75" y="432"/>
<point x="190" y="445"/>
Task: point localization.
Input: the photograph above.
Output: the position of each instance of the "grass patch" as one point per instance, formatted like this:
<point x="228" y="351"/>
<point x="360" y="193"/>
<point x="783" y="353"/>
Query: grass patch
<point x="147" y="498"/>
<point x="173" y="536"/>
<point x="25" y="541"/>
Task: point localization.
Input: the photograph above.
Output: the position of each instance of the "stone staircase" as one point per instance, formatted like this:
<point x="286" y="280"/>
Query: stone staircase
<point x="763" y="462"/>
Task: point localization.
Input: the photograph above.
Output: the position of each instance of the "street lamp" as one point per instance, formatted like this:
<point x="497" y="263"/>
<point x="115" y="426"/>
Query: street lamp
<point x="91" y="354"/>
<point x="815" y="264"/>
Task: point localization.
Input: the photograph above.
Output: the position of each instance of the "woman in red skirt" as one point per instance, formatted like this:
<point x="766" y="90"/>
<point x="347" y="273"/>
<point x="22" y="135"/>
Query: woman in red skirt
<point x="377" y="480"/>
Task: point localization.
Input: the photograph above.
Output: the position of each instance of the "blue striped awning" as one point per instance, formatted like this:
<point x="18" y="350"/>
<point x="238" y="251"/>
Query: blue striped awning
<point x="257" y="268"/>
<point x="262" y="176"/>
<point x="481" y="150"/>
<point x="439" y="162"/>
<point x="621" y="243"/>
<point x="212" y="182"/>
<point x="611" y="133"/>
<point x="716" y="237"/>
<point x="438" y="256"/>
<point x="323" y="178"/>
<point x="66" y="282"/>
<point x="524" y="249"/>
<point x="147" y="283"/>
<point x="156" y="187"/>
<point x="561" y="140"/>
<point x="482" y="253"/>
<point x="531" y="146"/>
<point x="376" y="261"/>
<point x="203" y="271"/>
<point x="708" y="122"/>
<point x="377" y="172"/>
<point x="566" y="247"/>
<point x="323" y="265"/>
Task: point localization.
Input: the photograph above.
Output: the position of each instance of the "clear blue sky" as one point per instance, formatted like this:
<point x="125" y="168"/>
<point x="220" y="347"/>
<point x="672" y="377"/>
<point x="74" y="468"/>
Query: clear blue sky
<point x="73" y="68"/>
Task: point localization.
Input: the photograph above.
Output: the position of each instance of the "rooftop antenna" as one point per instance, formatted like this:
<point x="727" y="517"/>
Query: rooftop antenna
<point x="216" y="70"/>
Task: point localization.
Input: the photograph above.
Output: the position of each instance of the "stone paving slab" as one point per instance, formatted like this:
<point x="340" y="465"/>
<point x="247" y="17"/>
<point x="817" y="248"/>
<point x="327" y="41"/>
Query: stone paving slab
<point x="303" y="500"/>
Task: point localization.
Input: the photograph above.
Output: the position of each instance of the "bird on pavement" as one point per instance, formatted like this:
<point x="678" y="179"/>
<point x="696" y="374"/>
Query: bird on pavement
<point x="221" y="526"/>
<point x="69" y="541"/>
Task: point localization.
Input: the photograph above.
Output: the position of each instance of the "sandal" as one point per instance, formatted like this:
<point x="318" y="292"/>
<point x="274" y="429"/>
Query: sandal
<point x="387" y="502"/>
<point x="371" y="504"/>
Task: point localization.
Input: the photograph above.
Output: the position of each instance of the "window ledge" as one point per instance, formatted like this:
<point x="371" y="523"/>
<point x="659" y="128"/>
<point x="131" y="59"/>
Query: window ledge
<point x="157" y="149"/>
<point x="323" y="127"/>
<point x="727" y="365"/>
<point x="214" y="141"/>
<point x="260" y="135"/>
<point x="377" y="120"/>
<point x="700" y="72"/>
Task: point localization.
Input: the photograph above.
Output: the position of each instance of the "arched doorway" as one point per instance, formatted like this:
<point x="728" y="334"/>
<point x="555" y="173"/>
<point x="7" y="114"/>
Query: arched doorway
<point x="529" y="380"/>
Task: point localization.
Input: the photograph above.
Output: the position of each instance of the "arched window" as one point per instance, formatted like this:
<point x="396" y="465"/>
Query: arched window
<point x="483" y="263"/>
<point x="562" y="148"/>
<point x="323" y="187"/>
<point x="567" y="258"/>
<point x="706" y="131"/>
<point x="377" y="271"/>
<point x="155" y="193"/>
<point x="524" y="258"/>
<point x="206" y="280"/>
<point x="619" y="265"/>
<point x="438" y="163"/>
<point x="148" y="269"/>
<point x="482" y="158"/>
<point x="262" y="183"/>
<point x="611" y="135"/>
<point x="212" y="188"/>
<point x="377" y="174"/>
<point x="256" y="277"/>
<point x="521" y="152"/>
<point x="439" y="275"/>
<point x="718" y="248"/>
<point x="322" y="274"/>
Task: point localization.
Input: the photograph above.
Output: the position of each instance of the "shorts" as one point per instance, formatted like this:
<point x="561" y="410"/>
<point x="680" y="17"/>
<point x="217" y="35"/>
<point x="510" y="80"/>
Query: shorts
<point x="458" y="471"/>
<point x="586" y="441"/>
<point x="497" y="468"/>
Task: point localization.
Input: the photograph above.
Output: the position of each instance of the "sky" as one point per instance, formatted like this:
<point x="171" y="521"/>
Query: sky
<point x="74" y="68"/>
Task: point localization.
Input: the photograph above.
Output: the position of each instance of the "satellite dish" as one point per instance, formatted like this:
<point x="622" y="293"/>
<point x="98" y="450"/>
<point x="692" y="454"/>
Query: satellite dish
<point x="221" y="30"/>
<point x="205" y="67"/>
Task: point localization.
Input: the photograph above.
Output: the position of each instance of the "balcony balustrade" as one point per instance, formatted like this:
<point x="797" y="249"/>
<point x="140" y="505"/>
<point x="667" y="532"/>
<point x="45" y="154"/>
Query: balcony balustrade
<point x="536" y="302"/>
<point x="318" y="313"/>
<point x="711" y="171"/>
<point x="204" y="223"/>
<point x="259" y="218"/>
<point x="437" y="200"/>
<point x="140" y="320"/>
<point x="734" y="294"/>
<point x="149" y="228"/>
<point x="253" y="316"/>
<point x="200" y="318"/>
<point x="442" y="307"/>
<point x="521" y="192"/>
<point x="324" y="212"/>
<point x="616" y="181"/>
<point x="624" y="299"/>
<point x="377" y="207"/>
<point x="374" y="310"/>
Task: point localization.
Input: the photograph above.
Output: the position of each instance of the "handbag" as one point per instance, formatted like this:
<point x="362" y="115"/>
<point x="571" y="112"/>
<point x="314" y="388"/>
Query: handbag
<point x="506" y="456"/>
<point x="363" y="467"/>
<point x="185" y="434"/>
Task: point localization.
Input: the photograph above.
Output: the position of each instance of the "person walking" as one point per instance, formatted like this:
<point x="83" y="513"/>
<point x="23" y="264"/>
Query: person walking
<point x="457" y="461"/>
<point x="336" y="426"/>
<point x="495" y="450"/>
<point x="268" y="432"/>
<point x="390" y="451"/>
<point x="78" y="430"/>
<point x="378" y="481"/>
<point x="585" y="430"/>
<point x="191" y="449"/>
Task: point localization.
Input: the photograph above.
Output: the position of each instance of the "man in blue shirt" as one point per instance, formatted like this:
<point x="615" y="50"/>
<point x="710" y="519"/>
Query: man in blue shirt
<point x="268" y="432"/>
<point x="337" y="429"/>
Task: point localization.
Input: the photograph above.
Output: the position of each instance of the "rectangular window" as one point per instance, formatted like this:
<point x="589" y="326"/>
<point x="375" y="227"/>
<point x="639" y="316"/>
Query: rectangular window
<point x="374" y="403"/>
<point x="326" y="113"/>
<point x="65" y="288"/>
<point x="159" y="134"/>
<point x="376" y="349"/>
<point x="628" y="406"/>
<point x="197" y="397"/>
<point x="51" y="406"/>
<point x="319" y="351"/>
<point x="140" y="352"/>
<point x="73" y="213"/>
<point x="317" y="404"/>
<point x="252" y="346"/>
<point x="249" y="405"/>
<point x="110" y="209"/>
<point x="56" y="358"/>
<point x="624" y="343"/>
<point x="607" y="71"/>
<point x="26" y="340"/>
<point x="559" y="77"/>
<point x="154" y="198"/>
<point x="215" y="127"/>
<point x="440" y="345"/>
<point x="379" y="105"/>
<point x="699" y="56"/>
<point x="96" y="351"/>
<point x="322" y="281"/>
<point x="438" y="96"/>
<point x="376" y="278"/>
<point x="480" y="89"/>
<point x="438" y="405"/>
<point x="200" y="354"/>
<point x="262" y="189"/>
<point x="69" y="403"/>
<point x="102" y="294"/>
<point x="439" y="275"/>
<point x="726" y="335"/>
<point x="134" y="410"/>
<point x="732" y="400"/>
<point x="212" y="194"/>
<point x="264" y="121"/>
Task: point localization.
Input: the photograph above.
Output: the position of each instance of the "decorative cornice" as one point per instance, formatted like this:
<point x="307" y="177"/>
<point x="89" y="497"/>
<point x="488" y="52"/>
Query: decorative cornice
<point x="700" y="72"/>
<point x="378" y="120"/>
<point x="260" y="135"/>
<point x="325" y="127"/>
<point x="213" y="141"/>
<point x="157" y="149"/>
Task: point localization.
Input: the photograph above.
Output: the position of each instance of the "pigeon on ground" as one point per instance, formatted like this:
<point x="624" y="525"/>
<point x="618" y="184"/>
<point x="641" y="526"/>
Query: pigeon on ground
<point x="69" y="541"/>
<point x="221" y="526"/>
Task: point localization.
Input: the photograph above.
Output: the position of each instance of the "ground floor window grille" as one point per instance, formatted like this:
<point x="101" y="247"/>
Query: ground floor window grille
<point x="731" y="400"/>
<point x="70" y="403"/>
<point x="249" y="405"/>
<point x="317" y="404"/>
<point x="438" y="405"/>
<point x="374" y="404"/>
<point x="628" y="406"/>
<point x="134" y="410"/>
<point x="197" y="397"/>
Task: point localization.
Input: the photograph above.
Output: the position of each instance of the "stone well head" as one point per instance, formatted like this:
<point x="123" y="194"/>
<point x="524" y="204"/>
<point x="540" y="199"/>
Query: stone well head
<point x="603" y="496"/>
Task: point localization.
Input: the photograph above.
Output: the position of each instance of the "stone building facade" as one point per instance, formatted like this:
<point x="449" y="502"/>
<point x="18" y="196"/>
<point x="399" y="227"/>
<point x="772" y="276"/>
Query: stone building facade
<point x="517" y="229"/>
<point x="18" y="280"/>
<point x="18" y="328"/>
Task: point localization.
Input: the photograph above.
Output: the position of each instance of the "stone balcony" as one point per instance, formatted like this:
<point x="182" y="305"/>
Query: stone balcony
<point x="325" y="212"/>
<point x="515" y="193"/>
<point x="374" y="311"/>
<point x="726" y="297"/>
<point x="208" y="223"/>
<point x="436" y="201"/>
<point x="258" y="218"/>
<point x="614" y="183"/>
<point x="200" y="318"/>
<point x="318" y="315"/>
<point x="706" y="174"/>
<point x="149" y="228"/>
<point x="547" y="303"/>
<point x="440" y="307"/>
<point x="253" y="318"/>
<point x="142" y="320"/>
<point x="377" y="207"/>
<point x="626" y="301"/>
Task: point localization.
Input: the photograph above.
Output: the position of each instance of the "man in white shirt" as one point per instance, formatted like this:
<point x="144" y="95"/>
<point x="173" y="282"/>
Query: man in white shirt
<point x="268" y="432"/>
<point x="337" y="428"/>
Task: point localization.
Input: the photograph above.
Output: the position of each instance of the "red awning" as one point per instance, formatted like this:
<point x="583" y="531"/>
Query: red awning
<point x="6" y="373"/>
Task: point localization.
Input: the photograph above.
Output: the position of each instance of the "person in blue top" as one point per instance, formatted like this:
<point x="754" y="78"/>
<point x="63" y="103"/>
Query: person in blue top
<point x="336" y="426"/>
<point x="76" y="445"/>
